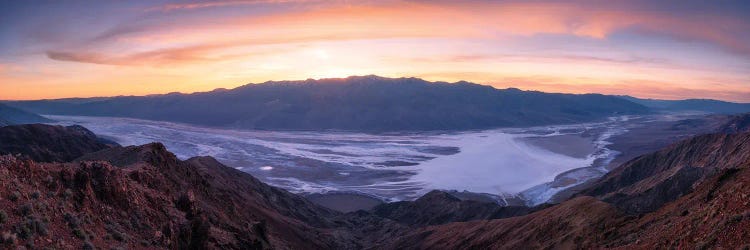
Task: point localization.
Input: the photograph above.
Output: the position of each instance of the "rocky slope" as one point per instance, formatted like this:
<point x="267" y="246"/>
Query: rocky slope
<point x="647" y="182"/>
<point x="736" y="124"/>
<point x="715" y="215"/>
<point x="11" y="116"/>
<point x="438" y="207"/>
<point x="45" y="143"/>
<point x="154" y="200"/>
<point x="143" y="197"/>
<point x="577" y="223"/>
<point x="695" y="193"/>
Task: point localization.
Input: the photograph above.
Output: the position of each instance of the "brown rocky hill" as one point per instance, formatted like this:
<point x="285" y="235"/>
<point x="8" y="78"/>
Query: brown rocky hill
<point x="649" y="181"/>
<point x="45" y="143"/>
<point x="695" y="193"/>
<point x="715" y="215"/>
<point x="155" y="201"/>
<point x="143" y="197"/>
<point x="736" y="124"/>
<point x="580" y="222"/>
<point x="439" y="207"/>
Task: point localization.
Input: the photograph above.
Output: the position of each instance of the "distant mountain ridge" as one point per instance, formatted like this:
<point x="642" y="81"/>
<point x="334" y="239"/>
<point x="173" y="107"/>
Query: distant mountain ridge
<point x="360" y="103"/>
<point x="11" y="116"/>
<point x="702" y="105"/>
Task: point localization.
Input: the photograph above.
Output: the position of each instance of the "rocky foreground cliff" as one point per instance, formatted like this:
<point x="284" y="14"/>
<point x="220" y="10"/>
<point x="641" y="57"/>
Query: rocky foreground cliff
<point x="692" y="194"/>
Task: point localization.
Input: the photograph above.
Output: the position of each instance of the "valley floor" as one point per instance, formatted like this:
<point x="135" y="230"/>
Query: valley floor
<point x="362" y="168"/>
<point x="690" y="194"/>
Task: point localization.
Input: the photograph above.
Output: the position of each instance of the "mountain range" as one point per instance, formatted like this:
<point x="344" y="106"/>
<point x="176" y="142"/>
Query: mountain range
<point x="372" y="104"/>
<point x="361" y="103"/>
<point x="692" y="193"/>
<point x="701" y="105"/>
<point x="10" y="115"/>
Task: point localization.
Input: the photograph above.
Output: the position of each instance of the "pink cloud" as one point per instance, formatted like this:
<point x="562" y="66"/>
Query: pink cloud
<point x="466" y="20"/>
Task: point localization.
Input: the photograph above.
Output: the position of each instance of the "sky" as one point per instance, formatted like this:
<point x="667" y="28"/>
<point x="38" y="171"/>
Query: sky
<point x="651" y="49"/>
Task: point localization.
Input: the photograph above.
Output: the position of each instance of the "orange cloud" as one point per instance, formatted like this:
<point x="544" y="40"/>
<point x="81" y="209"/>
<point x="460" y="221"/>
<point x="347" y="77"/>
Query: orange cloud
<point x="168" y="56"/>
<point x="480" y="41"/>
<point x="599" y="21"/>
<point x="484" y="20"/>
<point x="213" y="41"/>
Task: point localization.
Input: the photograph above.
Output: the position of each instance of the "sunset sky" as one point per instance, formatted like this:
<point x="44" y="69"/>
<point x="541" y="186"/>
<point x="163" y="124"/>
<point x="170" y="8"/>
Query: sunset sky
<point x="654" y="49"/>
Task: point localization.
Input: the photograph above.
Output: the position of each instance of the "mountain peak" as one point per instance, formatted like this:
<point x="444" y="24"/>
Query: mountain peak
<point x="154" y="153"/>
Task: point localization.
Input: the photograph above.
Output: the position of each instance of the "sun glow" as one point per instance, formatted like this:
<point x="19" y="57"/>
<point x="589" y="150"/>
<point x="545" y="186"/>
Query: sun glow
<point x="336" y="73"/>
<point x="321" y="54"/>
<point x="559" y="47"/>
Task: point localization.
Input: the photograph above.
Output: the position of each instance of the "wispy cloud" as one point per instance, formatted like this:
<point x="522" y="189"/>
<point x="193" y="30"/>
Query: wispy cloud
<point x="211" y="4"/>
<point x="159" y="57"/>
<point x="548" y="57"/>
<point x="580" y="44"/>
<point x="461" y="21"/>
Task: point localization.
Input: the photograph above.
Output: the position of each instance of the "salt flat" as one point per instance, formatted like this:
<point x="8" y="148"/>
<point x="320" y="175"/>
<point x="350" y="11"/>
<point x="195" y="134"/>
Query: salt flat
<point x="388" y="167"/>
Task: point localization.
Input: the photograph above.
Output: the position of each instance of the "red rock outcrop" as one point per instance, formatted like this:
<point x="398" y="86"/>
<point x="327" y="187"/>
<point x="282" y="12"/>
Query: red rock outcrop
<point x="157" y="201"/>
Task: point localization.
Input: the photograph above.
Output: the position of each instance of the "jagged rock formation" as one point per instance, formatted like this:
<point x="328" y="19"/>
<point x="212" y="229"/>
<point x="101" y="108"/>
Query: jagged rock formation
<point x="156" y="201"/>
